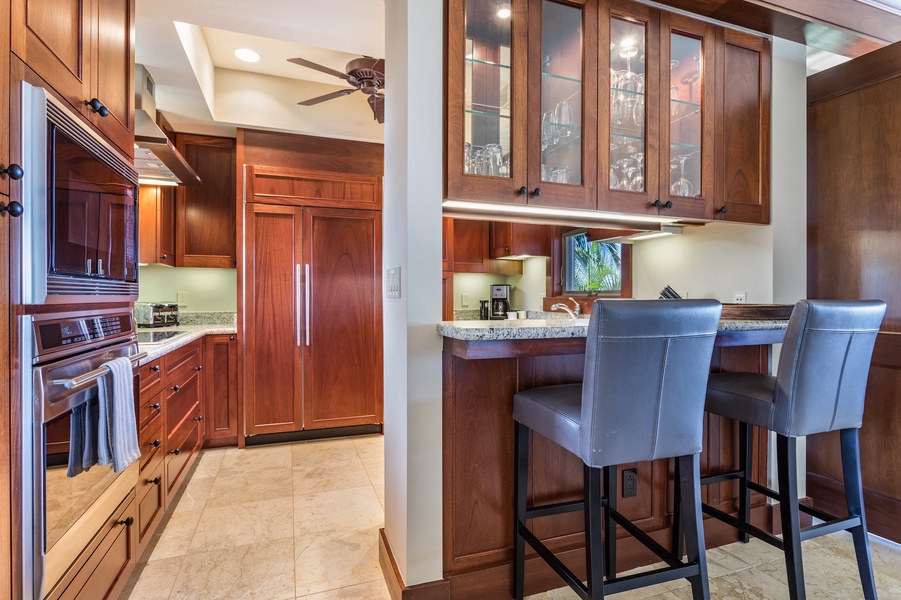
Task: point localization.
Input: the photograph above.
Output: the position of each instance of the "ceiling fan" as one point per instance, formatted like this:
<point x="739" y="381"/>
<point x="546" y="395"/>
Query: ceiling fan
<point x="366" y="74"/>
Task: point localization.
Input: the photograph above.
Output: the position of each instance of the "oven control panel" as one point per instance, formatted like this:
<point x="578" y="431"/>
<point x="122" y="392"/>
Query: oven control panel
<point x="58" y="334"/>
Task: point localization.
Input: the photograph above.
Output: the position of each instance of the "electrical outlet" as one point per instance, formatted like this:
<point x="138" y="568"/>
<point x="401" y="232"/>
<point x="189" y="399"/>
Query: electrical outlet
<point x="464" y="300"/>
<point x="740" y="297"/>
<point x="181" y="298"/>
<point x="630" y="483"/>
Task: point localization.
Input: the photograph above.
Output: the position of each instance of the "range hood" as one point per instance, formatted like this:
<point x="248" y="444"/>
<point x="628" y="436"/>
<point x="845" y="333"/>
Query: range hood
<point x="156" y="159"/>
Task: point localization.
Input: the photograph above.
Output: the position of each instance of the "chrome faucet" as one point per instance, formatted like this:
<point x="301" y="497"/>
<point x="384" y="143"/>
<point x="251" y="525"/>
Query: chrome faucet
<point x="578" y="309"/>
<point x="563" y="307"/>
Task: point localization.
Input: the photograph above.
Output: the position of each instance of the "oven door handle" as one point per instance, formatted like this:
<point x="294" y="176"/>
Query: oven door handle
<point x="95" y="374"/>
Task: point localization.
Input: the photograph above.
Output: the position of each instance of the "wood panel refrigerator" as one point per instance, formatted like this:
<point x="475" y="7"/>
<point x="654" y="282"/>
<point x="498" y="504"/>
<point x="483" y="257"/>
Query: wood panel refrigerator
<point x="313" y="318"/>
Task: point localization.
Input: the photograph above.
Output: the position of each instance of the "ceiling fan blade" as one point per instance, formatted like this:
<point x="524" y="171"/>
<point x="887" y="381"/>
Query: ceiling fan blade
<point x="311" y="65"/>
<point x="377" y="102"/>
<point x="325" y="97"/>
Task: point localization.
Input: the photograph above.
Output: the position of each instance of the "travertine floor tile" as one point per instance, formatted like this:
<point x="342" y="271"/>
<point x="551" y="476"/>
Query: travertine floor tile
<point x="174" y="537"/>
<point x="253" y="572"/>
<point x="153" y="580"/>
<point x="325" y="511"/>
<point x="195" y="494"/>
<point x="209" y="462"/>
<point x="256" y="457"/>
<point x="371" y="449"/>
<point x="328" y="560"/>
<point x="241" y="524"/>
<point x="332" y="453"/>
<point x="373" y="590"/>
<point x="321" y="477"/>
<point x="239" y="486"/>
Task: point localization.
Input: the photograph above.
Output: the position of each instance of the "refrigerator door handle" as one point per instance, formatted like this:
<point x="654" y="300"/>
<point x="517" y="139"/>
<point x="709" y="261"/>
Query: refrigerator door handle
<point x="307" y="301"/>
<point x="297" y="301"/>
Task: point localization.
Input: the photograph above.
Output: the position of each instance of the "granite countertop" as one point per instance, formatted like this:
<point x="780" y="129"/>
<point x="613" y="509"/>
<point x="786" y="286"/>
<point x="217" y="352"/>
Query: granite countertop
<point x="532" y="329"/>
<point x="191" y="333"/>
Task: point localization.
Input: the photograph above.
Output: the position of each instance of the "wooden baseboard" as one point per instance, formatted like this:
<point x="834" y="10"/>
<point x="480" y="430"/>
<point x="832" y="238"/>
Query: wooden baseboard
<point x="433" y="590"/>
<point x="883" y="513"/>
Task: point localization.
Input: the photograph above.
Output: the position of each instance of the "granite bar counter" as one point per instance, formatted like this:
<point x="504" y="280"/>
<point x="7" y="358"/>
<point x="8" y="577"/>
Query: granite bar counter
<point x="484" y="364"/>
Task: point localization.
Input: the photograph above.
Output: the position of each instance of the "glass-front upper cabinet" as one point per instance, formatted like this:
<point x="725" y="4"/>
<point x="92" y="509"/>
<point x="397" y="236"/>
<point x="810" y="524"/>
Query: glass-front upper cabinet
<point x="520" y="74"/>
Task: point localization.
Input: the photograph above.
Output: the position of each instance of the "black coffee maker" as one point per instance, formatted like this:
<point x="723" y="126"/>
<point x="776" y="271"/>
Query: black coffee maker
<point x="500" y="300"/>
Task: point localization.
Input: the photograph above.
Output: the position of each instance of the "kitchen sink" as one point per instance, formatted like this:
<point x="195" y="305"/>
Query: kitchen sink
<point x="157" y="337"/>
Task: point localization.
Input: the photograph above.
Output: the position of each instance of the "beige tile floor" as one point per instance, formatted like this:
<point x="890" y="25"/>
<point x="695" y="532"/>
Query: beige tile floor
<point x="301" y="520"/>
<point x="273" y="523"/>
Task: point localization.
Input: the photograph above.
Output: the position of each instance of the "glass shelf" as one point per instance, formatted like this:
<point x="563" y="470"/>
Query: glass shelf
<point x="630" y="92"/>
<point x="560" y="77"/>
<point x="628" y="136"/>
<point x="684" y="145"/>
<point x="483" y="113"/>
<point x="685" y="103"/>
<point x="475" y="61"/>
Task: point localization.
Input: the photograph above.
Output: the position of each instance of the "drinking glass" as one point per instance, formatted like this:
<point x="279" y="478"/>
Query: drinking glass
<point x="682" y="187"/>
<point x="467" y="157"/>
<point x="637" y="183"/>
<point x="560" y="174"/>
<point x="564" y="117"/>
<point x="492" y="154"/>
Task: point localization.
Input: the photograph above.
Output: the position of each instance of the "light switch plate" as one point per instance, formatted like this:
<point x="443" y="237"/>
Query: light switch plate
<point x="181" y="298"/>
<point x="464" y="300"/>
<point x="392" y="282"/>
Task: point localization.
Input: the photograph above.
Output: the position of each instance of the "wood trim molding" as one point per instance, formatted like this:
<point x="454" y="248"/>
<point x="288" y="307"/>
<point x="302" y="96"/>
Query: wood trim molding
<point x="862" y="72"/>
<point x="397" y="589"/>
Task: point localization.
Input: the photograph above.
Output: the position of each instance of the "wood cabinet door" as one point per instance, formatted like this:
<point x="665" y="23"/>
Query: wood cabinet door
<point x="112" y="77"/>
<point x="342" y="352"/>
<point x="743" y="128"/>
<point x="470" y="246"/>
<point x="157" y="224"/>
<point x="205" y="221"/>
<point x="4" y="97"/>
<point x="54" y="38"/>
<point x="220" y="386"/>
<point x="274" y="310"/>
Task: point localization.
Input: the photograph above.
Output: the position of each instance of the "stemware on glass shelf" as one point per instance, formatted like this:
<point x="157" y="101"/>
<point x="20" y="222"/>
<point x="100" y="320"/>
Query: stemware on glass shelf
<point x="682" y="186"/>
<point x="686" y="84"/>
<point x="627" y="104"/>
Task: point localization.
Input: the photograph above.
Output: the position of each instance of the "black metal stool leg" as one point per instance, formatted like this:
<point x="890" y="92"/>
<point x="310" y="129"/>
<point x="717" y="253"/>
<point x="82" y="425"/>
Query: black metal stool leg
<point x="520" y="491"/>
<point x="689" y="484"/>
<point x="854" y="497"/>
<point x="745" y="459"/>
<point x="786" y="456"/>
<point x="610" y="489"/>
<point x="594" y="534"/>
<point x="678" y="524"/>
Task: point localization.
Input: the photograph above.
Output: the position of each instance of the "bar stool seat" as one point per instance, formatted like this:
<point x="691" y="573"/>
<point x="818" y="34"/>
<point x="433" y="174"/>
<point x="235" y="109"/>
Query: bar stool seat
<point x="819" y="387"/>
<point x="642" y="397"/>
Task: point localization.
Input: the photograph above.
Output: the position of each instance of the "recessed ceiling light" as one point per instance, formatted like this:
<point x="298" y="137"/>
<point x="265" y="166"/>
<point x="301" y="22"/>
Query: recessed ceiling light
<point x="247" y="55"/>
<point x="504" y="11"/>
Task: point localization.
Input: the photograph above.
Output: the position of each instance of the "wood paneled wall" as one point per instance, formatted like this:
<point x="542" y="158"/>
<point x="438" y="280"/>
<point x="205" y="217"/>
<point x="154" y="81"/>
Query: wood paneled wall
<point x="854" y="251"/>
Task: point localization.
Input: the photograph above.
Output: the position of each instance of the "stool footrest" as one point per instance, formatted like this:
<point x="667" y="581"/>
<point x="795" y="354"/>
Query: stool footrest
<point x="558" y="508"/>
<point x="646" y="540"/>
<point x="762" y="489"/>
<point x="721" y="477"/>
<point x="728" y="519"/>
<point x="553" y="562"/>
<point x="814" y="531"/>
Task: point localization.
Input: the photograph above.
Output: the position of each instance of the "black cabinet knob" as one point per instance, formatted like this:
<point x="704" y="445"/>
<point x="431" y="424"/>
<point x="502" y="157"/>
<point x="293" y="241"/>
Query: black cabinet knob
<point x="231" y="338"/>
<point x="723" y="210"/>
<point x="13" y="208"/>
<point x="536" y="192"/>
<point x="155" y="368"/>
<point x="657" y="204"/>
<point x="175" y="388"/>
<point x="156" y="480"/>
<point x="200" y="418"/>
<point x="156" y="443"/>
<point x="669" y="204"/>
<point x="177" y="451"/>
<point x="97" y="107"/>
<point x="165" y="257"/>
<point x="523" y="191"/>
<point x="13" y="171"/>
<point x="157" y="406"/>
<point x="199" y="368"/>
<point x="128" y="522"/>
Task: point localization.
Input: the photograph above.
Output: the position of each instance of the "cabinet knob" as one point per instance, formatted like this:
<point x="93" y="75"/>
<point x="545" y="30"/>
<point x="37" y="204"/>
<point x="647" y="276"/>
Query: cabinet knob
<point x="13" y="208"/>
<point x="157" y="406"/>
<point x="199" y="368"/>
<point x="156" y="443"/>
<point x="165" y="257"/>
<point x="156" y="480"/>
<point x="723" y="210"/>
<point x="657" y="203"/>
<point x="177" y="451"/>
<point x="155" y="368"/>
<point x="97" y="107"/>
<point x="175" y="388"/>
<point x="231" y="338"/>
<point x="536" y="191"/>
<point x="200" y="418"/>
<point x="523" y="191"/>
<point x="669" y="204"/>
<point x="128" y="522"/>
<point x="13" y="171"/>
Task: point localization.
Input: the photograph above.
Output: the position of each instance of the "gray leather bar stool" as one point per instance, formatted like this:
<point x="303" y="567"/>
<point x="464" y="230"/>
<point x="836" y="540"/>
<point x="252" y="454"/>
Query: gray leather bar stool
<point x="642" y="398"/>
<point x="819" y="387"/>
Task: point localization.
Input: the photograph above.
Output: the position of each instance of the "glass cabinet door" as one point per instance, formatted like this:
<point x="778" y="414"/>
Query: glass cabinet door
<point x="561" y="130"/>
<point x="686" y="164"/>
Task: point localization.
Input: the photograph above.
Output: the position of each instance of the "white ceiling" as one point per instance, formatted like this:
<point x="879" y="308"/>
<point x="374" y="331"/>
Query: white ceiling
<point x="261" y="95"/>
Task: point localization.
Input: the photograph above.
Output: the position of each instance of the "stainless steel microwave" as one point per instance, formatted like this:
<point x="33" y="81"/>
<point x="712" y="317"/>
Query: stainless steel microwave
<point x="80" y="225"/>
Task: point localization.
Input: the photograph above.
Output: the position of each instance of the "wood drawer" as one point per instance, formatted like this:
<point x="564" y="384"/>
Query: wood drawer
<point x="103" y="569"/>
<point x="150" y="409"/>
<point x="151" y="494"/>
<point x="181" y="361"/>
<point x="180" y="402"/>
<point x="186" y="441"/>
<point x="151" y="444"/>
<point x="151" y="379"/>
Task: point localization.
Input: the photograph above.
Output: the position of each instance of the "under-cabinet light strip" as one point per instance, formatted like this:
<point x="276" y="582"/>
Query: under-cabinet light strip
<point x="535" y="211"/>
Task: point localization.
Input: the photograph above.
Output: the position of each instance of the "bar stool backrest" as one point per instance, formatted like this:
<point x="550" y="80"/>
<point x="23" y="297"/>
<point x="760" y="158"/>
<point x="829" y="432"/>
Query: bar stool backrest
<point x="823" y="368"/>
<point x="646" y="368"/>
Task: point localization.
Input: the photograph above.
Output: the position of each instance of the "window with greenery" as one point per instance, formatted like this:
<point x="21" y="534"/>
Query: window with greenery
<point x="595" y="267"/>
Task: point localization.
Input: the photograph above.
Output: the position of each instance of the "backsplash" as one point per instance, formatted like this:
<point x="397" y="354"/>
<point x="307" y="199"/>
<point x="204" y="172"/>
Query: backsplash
<point x="208" y="318"/>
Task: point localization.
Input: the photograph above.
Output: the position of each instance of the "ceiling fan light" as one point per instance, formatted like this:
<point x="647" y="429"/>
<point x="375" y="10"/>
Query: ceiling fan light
<point x="504" y="11"/>
<point x="247" y="55"/>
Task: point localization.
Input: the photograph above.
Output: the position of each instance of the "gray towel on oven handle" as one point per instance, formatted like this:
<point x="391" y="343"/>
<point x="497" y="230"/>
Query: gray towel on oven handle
<point x="117" y="439"/>
<point x="77" y="445"/>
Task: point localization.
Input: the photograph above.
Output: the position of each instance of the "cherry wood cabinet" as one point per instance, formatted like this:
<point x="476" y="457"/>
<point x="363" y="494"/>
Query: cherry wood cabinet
<point x="205" y="219"/>
<point x="83" y="49"/>
<point x="220" y="387"/>
<point x="156" y="218"/>
<point x="182" y="413"/>
<point x="4" y="98"/>
<point x="518" y="239"/>
<point x="314" y="327"/>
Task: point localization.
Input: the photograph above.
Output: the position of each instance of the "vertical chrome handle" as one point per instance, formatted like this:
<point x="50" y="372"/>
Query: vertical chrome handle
<point x="297" y="301"/>
<point x="307" y="300"/>
<point x="100" y="266"/>
<point x="88" y="271"/>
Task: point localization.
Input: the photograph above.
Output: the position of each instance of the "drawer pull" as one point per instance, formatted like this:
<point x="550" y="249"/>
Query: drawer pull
<point x="156" y="443"/>
<point x="231" y="338"/>
<point x="177" y="451"/>
<point x="200" y="418"/>
<point x="128" y="522"/>
<point x="156" y="406"/>
<point x="97" y="107"/>
<point x="155" y="368"/>
<point x="175" y="388"/>
<point x="156" y="480"/>
<point x="198" y="368"/>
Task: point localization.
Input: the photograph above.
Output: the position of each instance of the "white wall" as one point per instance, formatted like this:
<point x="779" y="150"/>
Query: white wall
<point x="527" y="290"/>
<point x="209" y="290"/>
<point x="411" y="221"/>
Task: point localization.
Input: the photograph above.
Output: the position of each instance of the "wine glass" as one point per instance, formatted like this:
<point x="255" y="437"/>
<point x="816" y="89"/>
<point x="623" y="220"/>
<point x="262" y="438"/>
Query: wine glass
<point x="627" y="165"/>
<point x="637" y="183"/>
<point x="673" y="91"/>
<point x="564" y="117"/>
<point x="682" y="187"/>
<point x="614" y="180"/>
